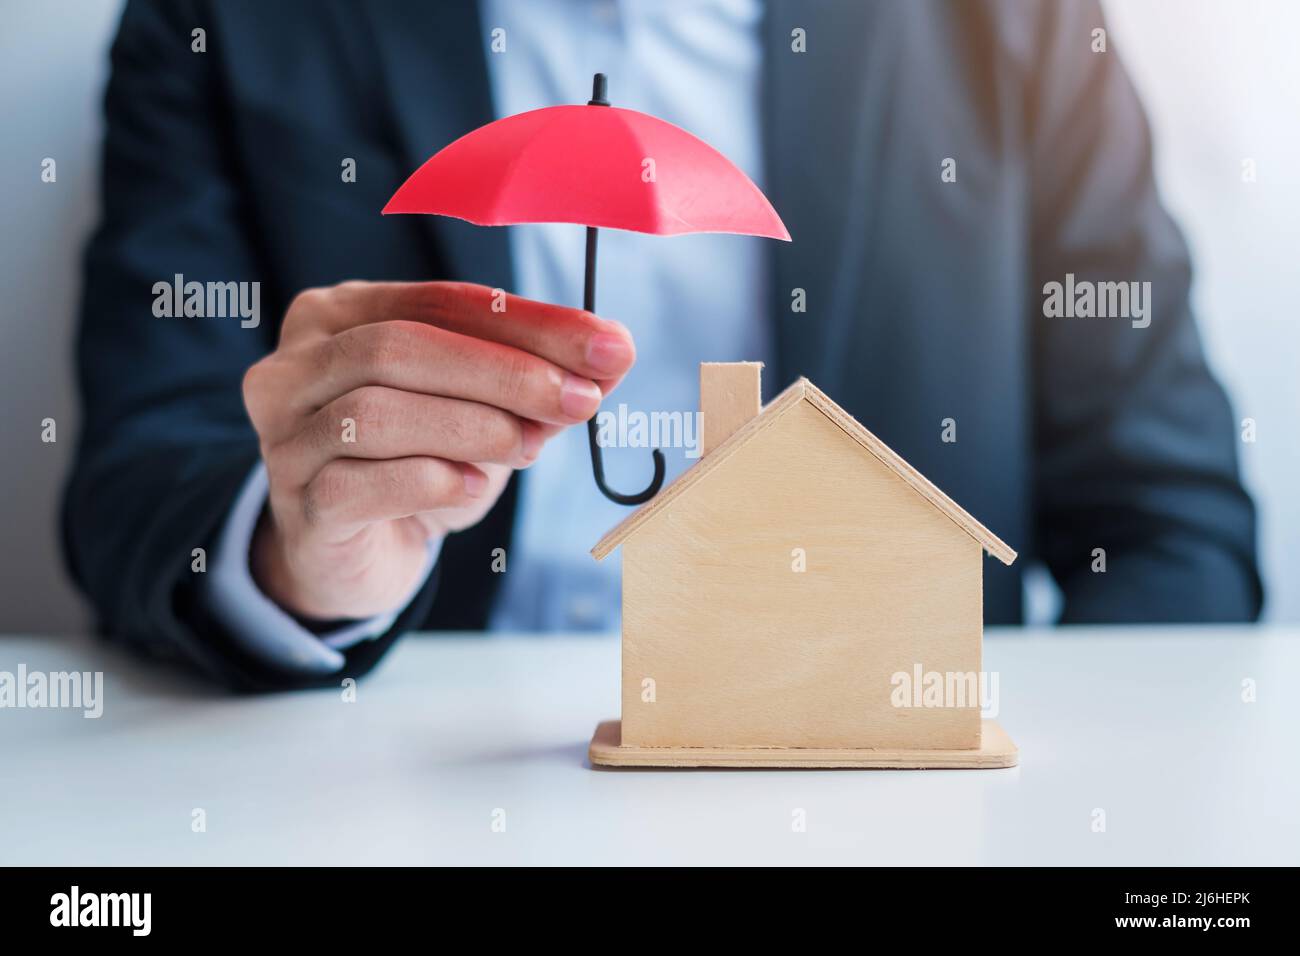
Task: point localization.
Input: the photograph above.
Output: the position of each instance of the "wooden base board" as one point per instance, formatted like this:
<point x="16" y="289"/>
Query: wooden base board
<point x="995" y="750"/>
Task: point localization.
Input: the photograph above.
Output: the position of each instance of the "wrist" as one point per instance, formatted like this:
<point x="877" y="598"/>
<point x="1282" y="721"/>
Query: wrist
<point x="269" y="567"/>
<point x="319" y="583"/>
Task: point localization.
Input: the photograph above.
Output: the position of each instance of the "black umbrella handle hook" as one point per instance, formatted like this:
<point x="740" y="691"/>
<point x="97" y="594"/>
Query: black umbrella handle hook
<point x="597" y="462"/>
<point x="598" y="470"/>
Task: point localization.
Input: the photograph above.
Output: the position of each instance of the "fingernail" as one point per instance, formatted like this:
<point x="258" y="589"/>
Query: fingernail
<point x="609" y="353"/>
<point x="475" y="482"/>
<point x="579" y="397"/>
<point x="533" y="439"/>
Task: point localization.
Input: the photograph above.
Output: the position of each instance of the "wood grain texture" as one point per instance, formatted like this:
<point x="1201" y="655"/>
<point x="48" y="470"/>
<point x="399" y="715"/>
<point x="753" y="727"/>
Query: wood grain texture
<point x="730" y="397"/>
<point x="745" y="650"/>
<point x="996" y="750"/>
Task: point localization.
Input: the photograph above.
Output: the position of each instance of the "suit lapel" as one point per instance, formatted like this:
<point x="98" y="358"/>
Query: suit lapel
<point x="432" y="65"/>
<point x="822" y="115"/>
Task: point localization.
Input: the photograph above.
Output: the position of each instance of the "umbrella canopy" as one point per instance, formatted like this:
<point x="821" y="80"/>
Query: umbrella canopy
<point x="594" y="166"/>
<point x="590" y="166"/>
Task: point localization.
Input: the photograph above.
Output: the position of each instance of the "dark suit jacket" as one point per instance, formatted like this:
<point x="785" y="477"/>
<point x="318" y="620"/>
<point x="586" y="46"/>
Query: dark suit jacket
<point x="924" y="298"/>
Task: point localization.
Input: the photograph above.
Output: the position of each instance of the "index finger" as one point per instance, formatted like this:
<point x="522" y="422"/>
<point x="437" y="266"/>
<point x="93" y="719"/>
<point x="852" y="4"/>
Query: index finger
<point x="579" y="341"/>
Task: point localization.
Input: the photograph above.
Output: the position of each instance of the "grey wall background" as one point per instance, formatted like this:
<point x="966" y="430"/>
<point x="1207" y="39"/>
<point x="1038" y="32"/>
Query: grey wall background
<point x="1220" y="77"/>
<point x="52" y="69"/>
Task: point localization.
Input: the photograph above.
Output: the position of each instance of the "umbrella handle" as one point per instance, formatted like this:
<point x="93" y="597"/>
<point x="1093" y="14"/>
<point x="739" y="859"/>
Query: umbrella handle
<point x="598" y="470"/>
<point x="597" y="461"/>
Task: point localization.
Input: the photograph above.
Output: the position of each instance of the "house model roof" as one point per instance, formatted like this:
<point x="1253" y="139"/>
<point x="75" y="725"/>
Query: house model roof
<point x="805" y="391"/>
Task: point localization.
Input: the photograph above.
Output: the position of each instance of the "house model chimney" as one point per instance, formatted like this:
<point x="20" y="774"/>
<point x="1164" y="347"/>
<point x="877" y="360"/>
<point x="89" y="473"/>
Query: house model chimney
<point x="729" y="397"/>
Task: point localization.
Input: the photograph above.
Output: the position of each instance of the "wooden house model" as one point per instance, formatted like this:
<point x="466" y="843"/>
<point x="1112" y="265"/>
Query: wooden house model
<point x="779" y="594"/>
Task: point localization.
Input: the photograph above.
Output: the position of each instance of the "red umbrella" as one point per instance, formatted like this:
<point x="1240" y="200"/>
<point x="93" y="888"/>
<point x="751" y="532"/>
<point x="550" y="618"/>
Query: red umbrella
<point x="606" y="167"/>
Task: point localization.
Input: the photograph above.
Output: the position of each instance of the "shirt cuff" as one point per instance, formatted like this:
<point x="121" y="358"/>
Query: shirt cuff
<point x="259" y="625"/>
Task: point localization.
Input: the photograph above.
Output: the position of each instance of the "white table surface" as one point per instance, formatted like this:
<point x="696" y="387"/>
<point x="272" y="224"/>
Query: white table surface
<point x="1147" y="724"/>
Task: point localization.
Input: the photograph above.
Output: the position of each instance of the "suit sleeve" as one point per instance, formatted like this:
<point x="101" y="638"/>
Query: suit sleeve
<point x="165" y="444"/>
<point x="1136" y="441"/>
<point x="261" y="626"/>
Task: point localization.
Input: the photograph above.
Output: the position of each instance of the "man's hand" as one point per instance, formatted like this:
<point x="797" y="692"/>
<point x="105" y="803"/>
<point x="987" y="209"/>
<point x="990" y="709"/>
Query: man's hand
<point x="391" y="413"/>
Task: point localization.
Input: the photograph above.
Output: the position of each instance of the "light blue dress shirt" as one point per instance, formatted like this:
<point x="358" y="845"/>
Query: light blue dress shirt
<point x="686" y="300"/>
